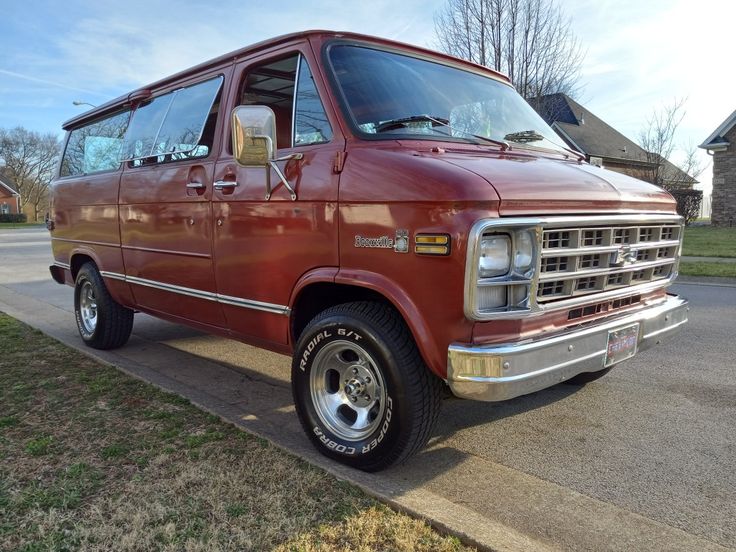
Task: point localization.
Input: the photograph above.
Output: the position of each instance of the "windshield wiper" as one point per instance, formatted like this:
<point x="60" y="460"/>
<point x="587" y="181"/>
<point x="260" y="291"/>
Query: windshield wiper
<point x="524" y="136"/>
<point x="437" y="121"/>
<point x="400" y="122"/>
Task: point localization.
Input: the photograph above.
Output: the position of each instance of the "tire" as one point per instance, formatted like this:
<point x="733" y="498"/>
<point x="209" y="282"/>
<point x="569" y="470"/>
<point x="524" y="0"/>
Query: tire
<point x="362" y="391"/>
<point x="102" y="322"/>
<point x="587" y="377"/>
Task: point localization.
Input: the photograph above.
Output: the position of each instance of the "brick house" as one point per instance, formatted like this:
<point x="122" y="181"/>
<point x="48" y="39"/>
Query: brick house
<point x="9" y="198"/>
<point x="603" y="145"/>
<point x="722" y="146"/>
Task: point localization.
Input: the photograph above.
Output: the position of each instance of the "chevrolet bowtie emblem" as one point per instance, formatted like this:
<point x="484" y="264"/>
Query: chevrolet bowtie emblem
<point x="623" y="256"/>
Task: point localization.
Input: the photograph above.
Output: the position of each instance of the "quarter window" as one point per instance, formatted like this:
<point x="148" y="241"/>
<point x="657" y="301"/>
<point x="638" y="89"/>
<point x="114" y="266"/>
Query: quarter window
<point x="95" y="147"/>
<point x="312" y="126"/>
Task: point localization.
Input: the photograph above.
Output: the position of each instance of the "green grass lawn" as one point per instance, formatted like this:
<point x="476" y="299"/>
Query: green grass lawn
<point x="707" y="241"/>
<point x="93" y="459"/>
<point x="14" y="225"/>
<point x="723" y="270"/>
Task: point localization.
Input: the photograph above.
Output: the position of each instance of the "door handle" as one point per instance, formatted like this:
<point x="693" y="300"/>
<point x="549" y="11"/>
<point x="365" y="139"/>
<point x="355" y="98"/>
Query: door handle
<point x="196" y="185"/>
<point x="220" y="184"/>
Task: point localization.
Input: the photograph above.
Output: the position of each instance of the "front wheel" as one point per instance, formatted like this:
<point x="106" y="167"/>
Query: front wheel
<point x="102" y="322"/>
<point x="361" y="389"/>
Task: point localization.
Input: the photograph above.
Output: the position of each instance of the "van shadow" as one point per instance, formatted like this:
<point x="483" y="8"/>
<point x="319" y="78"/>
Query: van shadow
<point x="256" y="395"/>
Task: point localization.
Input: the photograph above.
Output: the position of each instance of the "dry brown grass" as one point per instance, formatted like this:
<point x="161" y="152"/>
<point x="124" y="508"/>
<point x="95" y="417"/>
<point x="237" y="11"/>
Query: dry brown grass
<point x="91" y="459"/>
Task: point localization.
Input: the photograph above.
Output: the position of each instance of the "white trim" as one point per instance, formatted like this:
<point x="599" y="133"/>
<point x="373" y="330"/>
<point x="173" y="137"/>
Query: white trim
<point x="725" y="127"/>
<point x="13" y="193"/>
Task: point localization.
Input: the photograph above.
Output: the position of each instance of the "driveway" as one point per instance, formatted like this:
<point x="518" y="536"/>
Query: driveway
<point x="643" y="459"/>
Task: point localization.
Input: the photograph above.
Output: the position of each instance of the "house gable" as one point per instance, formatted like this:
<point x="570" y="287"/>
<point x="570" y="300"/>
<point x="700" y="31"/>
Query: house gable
<point x="719" y="139"/>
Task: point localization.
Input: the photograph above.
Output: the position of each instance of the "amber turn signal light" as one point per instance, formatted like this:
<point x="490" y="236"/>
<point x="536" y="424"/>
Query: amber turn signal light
<point x="432" y="244"/>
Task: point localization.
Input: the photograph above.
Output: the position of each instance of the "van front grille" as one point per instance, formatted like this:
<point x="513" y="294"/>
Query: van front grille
<point x="590" y="260"/>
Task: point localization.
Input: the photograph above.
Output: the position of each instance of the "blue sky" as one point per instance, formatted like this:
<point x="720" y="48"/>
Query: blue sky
<point x="641" y="54"/>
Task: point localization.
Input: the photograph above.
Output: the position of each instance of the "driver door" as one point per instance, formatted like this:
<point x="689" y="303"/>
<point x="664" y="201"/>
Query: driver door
<point x="263" y="246"/>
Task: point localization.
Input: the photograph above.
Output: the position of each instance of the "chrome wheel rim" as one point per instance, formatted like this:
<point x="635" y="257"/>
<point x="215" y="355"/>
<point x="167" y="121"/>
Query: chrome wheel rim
<point x="348" y="390"/>
<point x="88" y="307"/>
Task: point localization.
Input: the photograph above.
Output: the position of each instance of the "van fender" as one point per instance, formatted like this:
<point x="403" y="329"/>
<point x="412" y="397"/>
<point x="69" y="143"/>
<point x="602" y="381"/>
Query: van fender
<point x="119" y="289"/>
<point x="403" y="303"/>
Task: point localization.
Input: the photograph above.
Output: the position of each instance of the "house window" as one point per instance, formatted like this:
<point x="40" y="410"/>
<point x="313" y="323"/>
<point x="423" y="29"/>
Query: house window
<point x="4" y="209"/>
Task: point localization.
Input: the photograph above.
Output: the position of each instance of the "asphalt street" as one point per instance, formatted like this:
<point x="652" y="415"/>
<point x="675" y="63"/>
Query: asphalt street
<point x="643" y="459"/>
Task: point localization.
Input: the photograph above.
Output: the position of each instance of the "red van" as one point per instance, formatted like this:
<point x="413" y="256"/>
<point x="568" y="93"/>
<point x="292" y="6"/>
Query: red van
<point x="396" y="219"/>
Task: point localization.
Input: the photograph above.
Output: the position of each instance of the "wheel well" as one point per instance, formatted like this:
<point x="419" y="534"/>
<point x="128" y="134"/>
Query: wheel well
<point x="77" y="262"/>
<point x="320" y="296"/>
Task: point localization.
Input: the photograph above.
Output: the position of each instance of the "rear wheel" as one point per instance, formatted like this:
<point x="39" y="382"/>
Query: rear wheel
<point x="102" y="322"/>
<point x="361" y="389"/>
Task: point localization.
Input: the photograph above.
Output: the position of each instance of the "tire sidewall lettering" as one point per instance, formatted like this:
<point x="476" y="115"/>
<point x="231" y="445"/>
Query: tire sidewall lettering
<point x="324" y="437"/>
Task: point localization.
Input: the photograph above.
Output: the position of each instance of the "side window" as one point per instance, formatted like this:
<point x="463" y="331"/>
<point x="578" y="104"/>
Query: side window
<point x="272" y="84"/>
<point x="174" y="126"/>
<point x="312" y="126"/>
<point x="95" y="147"/>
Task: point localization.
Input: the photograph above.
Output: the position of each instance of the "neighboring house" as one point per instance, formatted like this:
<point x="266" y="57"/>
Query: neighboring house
<point x="722" y="146"/>
<point x="603" y="145"/>
<point x="9" y="198"/>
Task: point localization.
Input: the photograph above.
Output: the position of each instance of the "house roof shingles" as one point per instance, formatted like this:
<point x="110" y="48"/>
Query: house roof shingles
<point x="593" y="136"/>
<point x="8" y="186"/>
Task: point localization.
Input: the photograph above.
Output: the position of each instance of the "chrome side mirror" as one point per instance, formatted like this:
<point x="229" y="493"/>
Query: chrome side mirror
<point x="254" y="142"/>
<point x="254" y="135"/>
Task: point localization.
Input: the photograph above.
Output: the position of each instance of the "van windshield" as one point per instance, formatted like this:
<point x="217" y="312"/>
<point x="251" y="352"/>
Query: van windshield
<point x="388" y="94"/>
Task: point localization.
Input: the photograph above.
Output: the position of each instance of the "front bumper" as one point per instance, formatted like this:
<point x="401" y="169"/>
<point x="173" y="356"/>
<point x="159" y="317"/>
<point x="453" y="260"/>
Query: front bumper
<point x="500" y="372"/>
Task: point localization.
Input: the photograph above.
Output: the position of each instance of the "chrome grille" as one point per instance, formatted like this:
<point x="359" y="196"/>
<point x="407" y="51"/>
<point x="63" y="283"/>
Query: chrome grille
<point x="594" y="259"/>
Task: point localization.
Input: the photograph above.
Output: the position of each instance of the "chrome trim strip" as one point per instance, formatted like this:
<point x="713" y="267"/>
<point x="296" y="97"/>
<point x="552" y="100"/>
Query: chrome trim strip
<point x="200" y="294"/>
<point x="112" y="275"/>
<point x="62" y="265"/>
<point x="109" y="244"/>
<point x="251" y="304"/>
<point x="166" y="251"/>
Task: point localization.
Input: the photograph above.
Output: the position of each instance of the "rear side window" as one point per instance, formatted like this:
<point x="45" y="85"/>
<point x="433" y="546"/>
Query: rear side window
<point x="172" y="126"/>
<point x="95" y="147"/>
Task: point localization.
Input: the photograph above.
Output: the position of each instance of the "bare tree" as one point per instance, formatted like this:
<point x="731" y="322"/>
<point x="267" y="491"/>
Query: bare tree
<point x="657" y="140"/>
<point x="691" y="163"/>
<point x="28" y="158"/>
<point x="528" y="40"/>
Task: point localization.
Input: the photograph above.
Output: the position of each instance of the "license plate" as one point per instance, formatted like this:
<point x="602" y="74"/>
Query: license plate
<point x="621" y="344"/>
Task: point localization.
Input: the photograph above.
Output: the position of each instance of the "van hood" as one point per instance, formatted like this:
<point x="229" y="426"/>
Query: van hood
<point x="531" y="185"/>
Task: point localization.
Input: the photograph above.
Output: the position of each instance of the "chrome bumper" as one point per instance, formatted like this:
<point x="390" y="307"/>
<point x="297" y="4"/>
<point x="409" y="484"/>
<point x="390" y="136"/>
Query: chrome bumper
<point x="500" y="372"/>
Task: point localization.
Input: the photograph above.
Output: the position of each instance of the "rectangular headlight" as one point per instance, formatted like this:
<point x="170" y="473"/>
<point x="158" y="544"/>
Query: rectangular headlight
<point x="495" y="255"/>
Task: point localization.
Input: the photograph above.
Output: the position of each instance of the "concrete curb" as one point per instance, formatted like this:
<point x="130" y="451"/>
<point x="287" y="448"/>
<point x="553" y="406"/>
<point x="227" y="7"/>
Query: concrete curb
<point x="705" y="281"/>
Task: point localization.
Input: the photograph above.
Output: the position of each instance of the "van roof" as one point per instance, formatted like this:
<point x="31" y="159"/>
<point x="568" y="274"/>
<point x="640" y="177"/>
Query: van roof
<point x="143" y="92"/>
